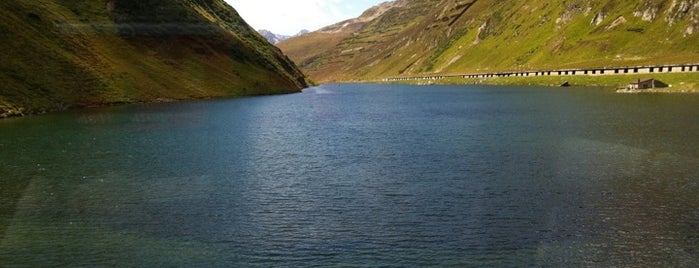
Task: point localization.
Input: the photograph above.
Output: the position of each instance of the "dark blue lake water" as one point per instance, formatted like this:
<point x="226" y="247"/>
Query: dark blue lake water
<point x="358" y="175"/>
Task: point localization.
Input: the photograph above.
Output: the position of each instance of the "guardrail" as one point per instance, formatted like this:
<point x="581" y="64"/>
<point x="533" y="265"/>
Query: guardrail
<point x="676" y="68"/>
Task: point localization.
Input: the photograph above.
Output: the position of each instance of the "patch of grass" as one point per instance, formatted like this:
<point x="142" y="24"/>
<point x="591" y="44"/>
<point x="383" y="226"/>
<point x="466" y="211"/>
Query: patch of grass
<point x="444" y="45"/>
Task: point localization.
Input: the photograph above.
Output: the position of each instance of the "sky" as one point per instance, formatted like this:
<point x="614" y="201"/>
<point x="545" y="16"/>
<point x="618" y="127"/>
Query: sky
<point x="288" y="17"/>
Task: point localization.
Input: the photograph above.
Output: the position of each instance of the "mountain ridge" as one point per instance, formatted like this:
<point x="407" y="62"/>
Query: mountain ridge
<point x="274" y="38"/>
<point x="466" y="36"/>
<point x="62" y="54"/>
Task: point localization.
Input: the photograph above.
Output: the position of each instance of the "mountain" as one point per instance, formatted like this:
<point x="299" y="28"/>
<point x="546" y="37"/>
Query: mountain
<point x="409" y="37"/>
<point x="276" y="38"/>
<point x="272" y="37"/>
<point x="58" y="54"/>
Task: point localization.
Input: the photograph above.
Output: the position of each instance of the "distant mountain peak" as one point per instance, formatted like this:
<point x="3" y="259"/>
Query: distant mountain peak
<point x="274" y="38"/>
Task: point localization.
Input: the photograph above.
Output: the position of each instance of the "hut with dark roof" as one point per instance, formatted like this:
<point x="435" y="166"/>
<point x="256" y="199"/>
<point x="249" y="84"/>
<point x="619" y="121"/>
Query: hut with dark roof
<point x="646" y="84"/>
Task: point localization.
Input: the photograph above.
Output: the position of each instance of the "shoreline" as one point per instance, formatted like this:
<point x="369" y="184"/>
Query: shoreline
<point x="9" y="111"/>
<point x="679" y="83"/>
<point x="680" y="78"/>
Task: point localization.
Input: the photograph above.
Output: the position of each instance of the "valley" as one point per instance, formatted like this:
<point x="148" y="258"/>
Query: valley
<point x="522" y="156"/>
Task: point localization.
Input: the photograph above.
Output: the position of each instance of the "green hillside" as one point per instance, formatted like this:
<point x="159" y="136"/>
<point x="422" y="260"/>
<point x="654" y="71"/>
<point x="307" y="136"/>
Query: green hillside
<point x="462" y="36"/>
<point x="58" y="54"/>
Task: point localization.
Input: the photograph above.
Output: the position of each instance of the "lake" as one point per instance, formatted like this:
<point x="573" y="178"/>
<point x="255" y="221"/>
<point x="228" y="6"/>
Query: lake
<point x="358" y="175"/>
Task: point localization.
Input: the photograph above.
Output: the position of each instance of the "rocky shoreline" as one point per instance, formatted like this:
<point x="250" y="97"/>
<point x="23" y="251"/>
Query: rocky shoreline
<point x="7" y="111"/>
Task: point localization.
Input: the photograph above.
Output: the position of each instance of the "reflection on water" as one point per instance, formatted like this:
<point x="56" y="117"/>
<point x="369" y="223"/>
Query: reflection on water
<point x="358" y="175"/>
<point x="645" y="202"/>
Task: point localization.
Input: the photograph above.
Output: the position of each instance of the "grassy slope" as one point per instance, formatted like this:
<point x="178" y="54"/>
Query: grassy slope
<point x="428" y="37"/>
<point x="59" y="54"/>
<point x="545" y="44"/>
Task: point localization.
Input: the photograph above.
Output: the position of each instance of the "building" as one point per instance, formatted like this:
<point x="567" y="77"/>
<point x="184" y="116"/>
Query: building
<point x="646" y="84"/>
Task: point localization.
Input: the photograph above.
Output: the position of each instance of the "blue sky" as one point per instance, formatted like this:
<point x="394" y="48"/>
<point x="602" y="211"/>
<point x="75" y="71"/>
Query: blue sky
<point x="291" y="16"/>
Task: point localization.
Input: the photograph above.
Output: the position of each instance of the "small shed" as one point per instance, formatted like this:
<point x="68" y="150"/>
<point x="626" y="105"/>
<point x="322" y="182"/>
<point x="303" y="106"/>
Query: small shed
<point x="646" y="84"/>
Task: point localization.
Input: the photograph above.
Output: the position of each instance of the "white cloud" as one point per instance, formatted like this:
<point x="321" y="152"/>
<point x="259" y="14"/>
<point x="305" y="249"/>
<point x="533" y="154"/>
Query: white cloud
<point x="290" y="16"/>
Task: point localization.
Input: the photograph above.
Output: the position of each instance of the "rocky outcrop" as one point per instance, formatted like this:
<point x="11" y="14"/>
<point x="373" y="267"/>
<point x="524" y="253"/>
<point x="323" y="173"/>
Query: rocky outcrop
<point x="483" y="32"/>
<point x="674" y="12"/>
<point x="7" y="110"/>
<point x="598" y="18"/>
<point x="647" y="12"/>
<point x="678" y="10"/>
<point x="616" y="23"/>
